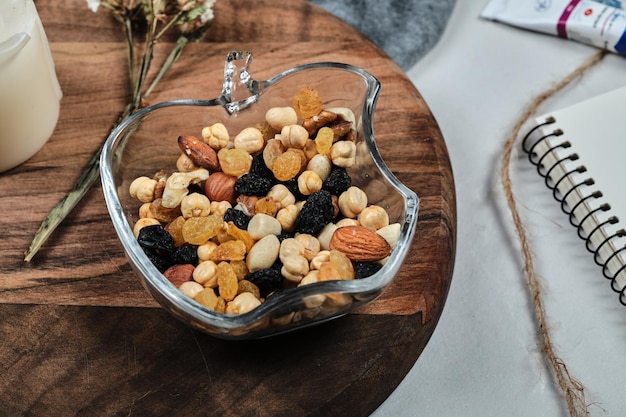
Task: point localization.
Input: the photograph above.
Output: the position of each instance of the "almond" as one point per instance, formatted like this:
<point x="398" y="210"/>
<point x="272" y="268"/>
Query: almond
<point x="221" y="187"/>
<point x="360" y="244"/>
<point x="179" y="273"/>
<point x="200" y="153"/>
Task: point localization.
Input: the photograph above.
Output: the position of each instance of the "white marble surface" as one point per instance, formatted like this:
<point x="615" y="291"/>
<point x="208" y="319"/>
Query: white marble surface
<point x="484" y="358"/>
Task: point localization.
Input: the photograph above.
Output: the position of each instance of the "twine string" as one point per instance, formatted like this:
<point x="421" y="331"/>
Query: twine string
<point x="572" y="390"/>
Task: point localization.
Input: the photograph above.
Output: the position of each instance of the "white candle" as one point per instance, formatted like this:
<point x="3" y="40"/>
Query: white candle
<point x="29" y="91"/>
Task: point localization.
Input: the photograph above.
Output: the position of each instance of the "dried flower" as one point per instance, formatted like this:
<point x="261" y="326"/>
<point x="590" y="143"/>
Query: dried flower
<point x="191" y="18"/>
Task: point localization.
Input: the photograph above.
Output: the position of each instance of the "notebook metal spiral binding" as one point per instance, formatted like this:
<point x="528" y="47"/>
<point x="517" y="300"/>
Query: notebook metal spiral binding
<point x="586" y="183"/>
<point x="580" y="225"/>
<point x="619" y="233"/>
<point x="555" y="187"/>
<point x="613" y="278"/>
<point x="588" y="242"/>
<point x="553" y="184"/>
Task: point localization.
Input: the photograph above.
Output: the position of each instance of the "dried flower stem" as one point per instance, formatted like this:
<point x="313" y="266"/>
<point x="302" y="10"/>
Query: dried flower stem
<point x="137" y="80"/>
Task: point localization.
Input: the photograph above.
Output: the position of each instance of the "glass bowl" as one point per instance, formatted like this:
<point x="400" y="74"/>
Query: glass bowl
<point x="146" y="143"/>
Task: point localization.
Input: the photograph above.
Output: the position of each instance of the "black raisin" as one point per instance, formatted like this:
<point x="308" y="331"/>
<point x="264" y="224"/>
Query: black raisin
<point x="267" y="280"/>
<point x="253" y="184"/>
<point x="195" y="188"/>
<point x="337" y="182"/>
<point x="316" y="213"/>
<point x="259" y="168"/>
<point x="160" y="261"/>
<point x="292" y="186"/>
<point x="238" y="217"/>
<point x="284" y="236"/>
<point x="185" y="254"/>
<point x="365" y="269"/>
<point x="155" y="237"/>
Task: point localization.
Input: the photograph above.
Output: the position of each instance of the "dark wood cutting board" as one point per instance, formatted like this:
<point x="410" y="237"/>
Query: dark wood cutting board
<point x="80" y="336"/>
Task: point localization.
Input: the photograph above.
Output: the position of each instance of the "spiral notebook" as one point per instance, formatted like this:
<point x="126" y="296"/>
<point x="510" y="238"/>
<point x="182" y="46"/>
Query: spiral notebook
<point x="579" y="151"/>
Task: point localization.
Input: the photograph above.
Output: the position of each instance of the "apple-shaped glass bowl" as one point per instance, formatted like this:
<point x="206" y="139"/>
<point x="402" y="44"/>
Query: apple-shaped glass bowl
<point x="145" y="143"/>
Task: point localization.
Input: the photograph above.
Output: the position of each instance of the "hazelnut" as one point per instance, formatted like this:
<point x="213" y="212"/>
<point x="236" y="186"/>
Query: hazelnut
<point x="221" y="187"/>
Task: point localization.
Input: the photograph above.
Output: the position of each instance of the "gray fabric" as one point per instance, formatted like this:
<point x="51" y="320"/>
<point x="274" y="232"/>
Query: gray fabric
<point x="405" y="29"/>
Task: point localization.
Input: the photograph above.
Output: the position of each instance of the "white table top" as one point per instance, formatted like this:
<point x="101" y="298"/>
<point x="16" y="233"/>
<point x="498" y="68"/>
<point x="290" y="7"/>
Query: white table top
<point x="484" y="358"/>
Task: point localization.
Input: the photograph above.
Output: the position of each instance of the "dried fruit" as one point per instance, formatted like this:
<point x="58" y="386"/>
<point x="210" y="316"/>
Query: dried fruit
<point x="242" y="235"/>
<point x="337" y="182"/>
<point x="366" y="269"/>
<point x="160" y="261"/>
<point x="288" y="164"/>
<point x="185" y="254"/>
<point x="227" y="282"/>
<point x="316" y="213"/>
<point x="307" y="102"/>
<point x="342" y="264"/>
<point x="260" y="168"/>
<point x="253" y="184"/>
<point x="324" y="140"/>
<point x="240" y="269"/>
<point x="198" y="230"/>
<point x="207" y="298"/>
<point x="266" y="205"/>
<point x="234" y="161"/>
<point x="268" y="280"/>
<point x="156" y="238"/>
<point x="175" y="229"/>
<point x="238" y="217"/>
<point x="233" y="250"/>
<point x="247" y="286"/>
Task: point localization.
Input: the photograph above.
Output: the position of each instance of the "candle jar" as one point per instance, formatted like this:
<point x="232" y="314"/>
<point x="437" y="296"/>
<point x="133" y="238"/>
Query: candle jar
<point x="30" y="94"/>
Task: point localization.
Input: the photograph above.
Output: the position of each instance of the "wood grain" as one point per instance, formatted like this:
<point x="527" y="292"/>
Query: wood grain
<point x="74" y="328"/>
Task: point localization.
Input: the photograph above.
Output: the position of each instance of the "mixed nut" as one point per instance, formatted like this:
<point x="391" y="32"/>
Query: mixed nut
<point x="244" y="217"/>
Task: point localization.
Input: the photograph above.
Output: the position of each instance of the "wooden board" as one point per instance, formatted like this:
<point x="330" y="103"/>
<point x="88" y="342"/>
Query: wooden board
<point x="80" y="336"/>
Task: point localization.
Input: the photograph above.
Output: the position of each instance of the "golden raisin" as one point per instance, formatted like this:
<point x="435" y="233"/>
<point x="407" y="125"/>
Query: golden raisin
<point x="268" y="131"/>
<point x="266" y="205"/>
<point x="288" y="165"/>
<point x="207" y="298"/>
<point x="328" y="272"/>
<point x="227" y="282"/>
<point x="220" y="306"/>
<point x="247" y="286"/>
<point x="198" y="230"/>
<point x="235" y="161"/>
<point x="175" y="229"/>
<point x="233" y="250"/>
<point x="240" y="268"/>
<point x="342" y="264"/>
<point x="307" y="102"/>
<point x="324" y="140"/>
<point x="235" y="233"/>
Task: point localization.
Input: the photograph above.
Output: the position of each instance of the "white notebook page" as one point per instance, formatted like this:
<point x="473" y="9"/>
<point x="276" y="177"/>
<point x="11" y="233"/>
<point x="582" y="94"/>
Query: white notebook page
<point x="596" y="130"/>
